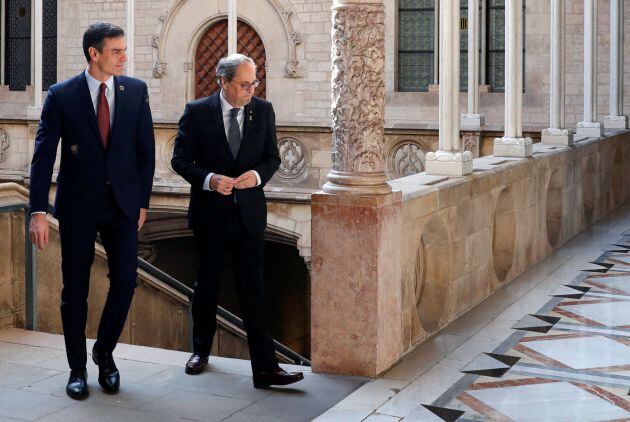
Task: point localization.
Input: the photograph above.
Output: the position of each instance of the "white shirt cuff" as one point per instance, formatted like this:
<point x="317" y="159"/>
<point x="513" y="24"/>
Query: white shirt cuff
<point x="258" y="181"/>
<point x="206" y="182"/>
<point x="39" y="212"/>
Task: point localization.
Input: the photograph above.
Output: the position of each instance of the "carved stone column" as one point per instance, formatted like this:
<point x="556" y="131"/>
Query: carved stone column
<point x="616" y="119"/>
<point x="472" y="120"/>
<point x="449" y="160"/>
<point x="590" y="127"/>
<point x="557" y="134"/>
<point x="513" y="144"/>
<point x="358" y="99"/>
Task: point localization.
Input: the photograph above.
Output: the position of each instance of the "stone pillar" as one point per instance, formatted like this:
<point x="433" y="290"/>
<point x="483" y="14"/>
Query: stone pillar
<point x="449" y="160"/>
<point x="356" y="309"/>
<point x="38" y="36"/>
<point x="131" y="35"/>
<point x="557" y="134"/>
<point x="590" y="127"/>
<point x="358" y="99"/>
<point x="513" y="144"/>
<point x="616" y="119"/>
<point x="232" y="27"/>
<point x="472" y="120"/>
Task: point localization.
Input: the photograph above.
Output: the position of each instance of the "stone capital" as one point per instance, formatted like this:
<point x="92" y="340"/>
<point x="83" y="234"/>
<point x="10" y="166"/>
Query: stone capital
<point x="448" y="163"/>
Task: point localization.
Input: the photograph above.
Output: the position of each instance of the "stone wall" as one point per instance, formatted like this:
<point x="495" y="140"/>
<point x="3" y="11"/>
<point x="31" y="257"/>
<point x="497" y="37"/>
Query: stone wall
<point x="446" y="245"/>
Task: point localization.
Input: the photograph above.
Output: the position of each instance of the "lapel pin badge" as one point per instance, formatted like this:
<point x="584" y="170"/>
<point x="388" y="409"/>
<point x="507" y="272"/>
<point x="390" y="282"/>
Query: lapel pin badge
<point x="122" y="88"/>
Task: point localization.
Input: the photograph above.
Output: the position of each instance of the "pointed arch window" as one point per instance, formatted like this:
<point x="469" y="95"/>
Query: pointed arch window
<point x="213" y="46"/>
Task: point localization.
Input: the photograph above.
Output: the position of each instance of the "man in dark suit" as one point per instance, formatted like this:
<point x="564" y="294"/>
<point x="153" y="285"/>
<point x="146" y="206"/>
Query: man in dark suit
<point x="226" y="149"/>
<point x="104" y="184"/>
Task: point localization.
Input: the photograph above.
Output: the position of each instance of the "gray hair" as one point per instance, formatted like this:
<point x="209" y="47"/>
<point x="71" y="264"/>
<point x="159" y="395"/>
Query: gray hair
<point x="227" y="66"/>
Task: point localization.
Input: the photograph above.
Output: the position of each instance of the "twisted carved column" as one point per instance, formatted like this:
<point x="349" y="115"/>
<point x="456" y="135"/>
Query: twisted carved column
<point x="358" y="99"/>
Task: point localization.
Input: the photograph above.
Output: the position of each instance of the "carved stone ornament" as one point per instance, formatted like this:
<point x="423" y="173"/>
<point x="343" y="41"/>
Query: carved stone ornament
<point x="358" y="88"/>
<point x="471" y="143"/>
<point x="296" y="38"/>
<point x="155" y="41"/>
<point x="293" y="156"/>
<point x="407" y="158"/>
<point x="167" y="154"/>
<point x="293" y="70"/>
<point x="5" y="142"/>
<point x="160" y="70"/>
<point x="188" y="66"/>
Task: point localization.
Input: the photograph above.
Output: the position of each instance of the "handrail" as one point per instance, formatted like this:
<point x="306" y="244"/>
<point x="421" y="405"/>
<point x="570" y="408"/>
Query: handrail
<point x="31" y="289"/>
<point x="180" y="287"/>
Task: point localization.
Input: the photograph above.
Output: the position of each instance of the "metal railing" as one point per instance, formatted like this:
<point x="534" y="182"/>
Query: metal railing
<point x="30" y="274"/>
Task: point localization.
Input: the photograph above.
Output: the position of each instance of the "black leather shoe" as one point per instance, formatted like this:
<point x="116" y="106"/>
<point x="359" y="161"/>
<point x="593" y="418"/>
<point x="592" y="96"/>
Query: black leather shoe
<point x="77" y="384"/>
<point x="108" y="376"/>
<point x="276" y="377"/>
<point x="196" y="364"/>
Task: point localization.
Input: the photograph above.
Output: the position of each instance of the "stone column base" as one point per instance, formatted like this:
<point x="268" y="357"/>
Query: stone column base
<point x="616" y="122"/>
<point x="449" y="163"/>
<point x="346" y="183"/>
<point x="513" y="147"/>
<point x="355" y="291"/>
<point x="553" y="136"/>
<point x="589" y="130"/>
<point x="471" y="121"/>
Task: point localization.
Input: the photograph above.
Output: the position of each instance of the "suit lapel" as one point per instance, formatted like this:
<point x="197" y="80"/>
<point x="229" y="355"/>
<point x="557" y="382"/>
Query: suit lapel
<point x="119" y="103"/>
<point x="216" y="121"/>
<point x="248" y="127"/>
<point x="88" y="105"/>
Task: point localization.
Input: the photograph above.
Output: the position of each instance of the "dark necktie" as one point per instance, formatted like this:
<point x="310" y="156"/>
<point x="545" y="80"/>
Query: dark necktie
<point x="102" y="115"/>
<point x="234" y="134"/>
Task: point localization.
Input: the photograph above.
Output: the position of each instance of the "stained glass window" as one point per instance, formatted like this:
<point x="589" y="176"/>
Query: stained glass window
<point x="416" y="38"/>
<point x="18" y="44"/>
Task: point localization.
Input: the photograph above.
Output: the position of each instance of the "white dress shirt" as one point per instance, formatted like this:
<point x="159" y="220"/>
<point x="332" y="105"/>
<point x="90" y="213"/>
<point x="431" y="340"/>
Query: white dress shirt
<point x="94" y="86"/>
<point x="240" y="118"/>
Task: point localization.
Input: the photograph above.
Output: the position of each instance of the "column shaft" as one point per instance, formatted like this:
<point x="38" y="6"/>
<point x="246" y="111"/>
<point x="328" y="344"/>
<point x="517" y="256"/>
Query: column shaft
<point x="449" y="160"/>
<point x="472" y="120"/>
<point x="557" y="134"/>
<point x="513" y="144"/>
<point x="590" y="127"/>
<point x="616" y="119"/>
<point x="232" y="27"/>
<point x="358" y="99"/>
<point x="131" y="34"/>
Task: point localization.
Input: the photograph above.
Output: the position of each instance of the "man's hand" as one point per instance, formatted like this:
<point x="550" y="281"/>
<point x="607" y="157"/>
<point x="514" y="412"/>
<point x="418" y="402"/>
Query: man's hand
<point x="39" y="230"/>
<point x="246" y="180"/>
<point x="143" y="218"/>
<point x="221" y="184"/>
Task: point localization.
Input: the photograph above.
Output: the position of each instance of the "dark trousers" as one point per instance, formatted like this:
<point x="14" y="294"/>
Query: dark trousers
<point x="120" y="239"/>
<point x="247" y="255"/>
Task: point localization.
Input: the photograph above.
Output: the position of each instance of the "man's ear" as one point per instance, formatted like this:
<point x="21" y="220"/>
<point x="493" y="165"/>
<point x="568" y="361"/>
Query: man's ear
<point x="93" y="53"/>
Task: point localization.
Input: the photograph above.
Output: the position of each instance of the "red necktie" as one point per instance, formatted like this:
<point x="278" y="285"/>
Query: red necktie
<point x="102" y="115"/>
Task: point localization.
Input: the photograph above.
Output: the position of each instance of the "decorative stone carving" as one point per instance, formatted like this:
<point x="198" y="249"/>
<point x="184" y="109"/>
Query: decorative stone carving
<point x="295" y="37"/>
<point x="159" y="70"/>
<point x="147" y="251"/>
<point x="294" y="158"/>
<point x="167" y="154"/>
<point x="513" y="147"/>
<point x="555" y="136"/>
<point x="293" y="70"/>
<point x="471" y="143"/>
<point x="155" y="41"/>
<point x="449" y="163"/>
<point x="358" y="99"/>
<point x="188" y="66"/>
<point x="407" y="158"/>
<point x="5" y="143"/>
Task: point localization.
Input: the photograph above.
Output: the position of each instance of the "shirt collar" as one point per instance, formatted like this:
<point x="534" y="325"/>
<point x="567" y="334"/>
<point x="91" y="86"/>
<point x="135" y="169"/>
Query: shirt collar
<point x="94" y="84"/>
<point x="225" y="106"/>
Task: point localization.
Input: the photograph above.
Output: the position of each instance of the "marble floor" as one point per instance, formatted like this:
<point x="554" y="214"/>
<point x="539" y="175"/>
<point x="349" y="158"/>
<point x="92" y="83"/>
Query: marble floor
<point x="154" y="387"/>
<point x="553" y="345"/>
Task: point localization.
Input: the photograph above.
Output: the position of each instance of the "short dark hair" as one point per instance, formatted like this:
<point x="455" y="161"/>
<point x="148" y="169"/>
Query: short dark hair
<point x="95" y="36"/>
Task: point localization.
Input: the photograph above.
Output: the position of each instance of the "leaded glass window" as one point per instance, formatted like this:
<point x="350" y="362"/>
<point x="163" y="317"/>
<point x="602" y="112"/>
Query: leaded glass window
<point x="463" y="45"/>
<point x="49" y="52"/>
<point x="18" y="44"/>
<point x="416" y="41"/>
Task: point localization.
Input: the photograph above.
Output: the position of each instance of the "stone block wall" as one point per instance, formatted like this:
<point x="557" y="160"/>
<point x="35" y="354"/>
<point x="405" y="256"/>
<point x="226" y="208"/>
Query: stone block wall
<point x="464" y="239"/>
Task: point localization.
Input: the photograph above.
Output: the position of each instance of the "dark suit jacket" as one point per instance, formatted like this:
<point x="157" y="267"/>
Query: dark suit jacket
<point x="128" y="163"/>
<point x="201" y="147"/>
